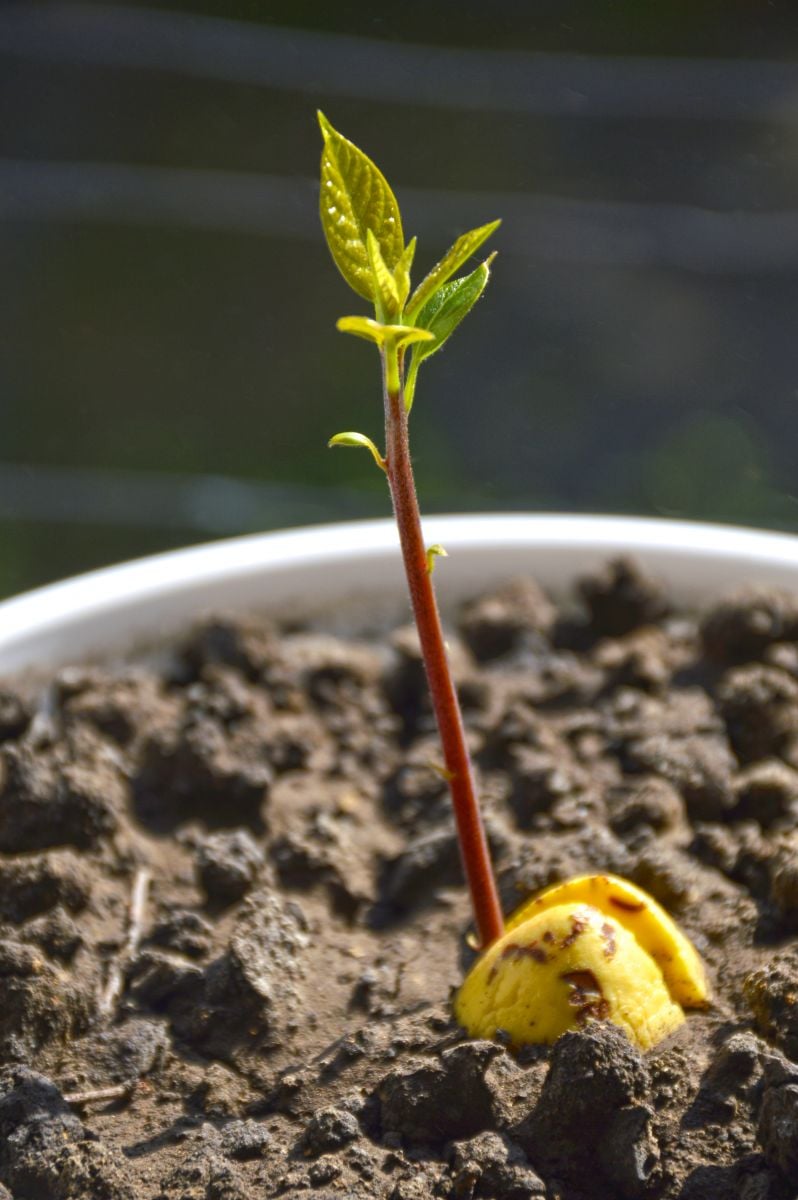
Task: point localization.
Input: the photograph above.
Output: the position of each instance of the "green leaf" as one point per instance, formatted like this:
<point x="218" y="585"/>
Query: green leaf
<point x="444" y="311"/>
<point x="358" y="439"/>
<point x="441" y="315"/>
<point x="453" y="259"/>
<point x="386" y="292"/>
<point x="375" y="331"/>
<point x="401" y="271"/>
<point x="355" y="198"/>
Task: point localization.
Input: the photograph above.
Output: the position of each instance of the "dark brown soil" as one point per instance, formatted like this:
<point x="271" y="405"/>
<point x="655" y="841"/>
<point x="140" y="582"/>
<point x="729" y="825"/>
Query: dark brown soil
<point x="268" y="804"/>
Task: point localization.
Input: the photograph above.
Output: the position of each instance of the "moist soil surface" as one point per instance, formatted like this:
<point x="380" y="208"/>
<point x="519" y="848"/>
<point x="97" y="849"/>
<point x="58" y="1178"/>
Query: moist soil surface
<point x="232" y="911"/>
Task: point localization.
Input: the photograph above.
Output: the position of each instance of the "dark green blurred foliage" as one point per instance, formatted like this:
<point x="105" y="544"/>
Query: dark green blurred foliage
<point x="160" y="247"/>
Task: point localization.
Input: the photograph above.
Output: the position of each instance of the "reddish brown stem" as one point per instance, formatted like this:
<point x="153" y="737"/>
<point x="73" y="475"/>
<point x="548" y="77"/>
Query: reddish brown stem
<point x="470" y="829"/>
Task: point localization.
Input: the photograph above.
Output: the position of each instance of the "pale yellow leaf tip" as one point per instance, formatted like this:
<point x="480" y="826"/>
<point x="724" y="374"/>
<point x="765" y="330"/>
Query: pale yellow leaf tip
<point x="350" y="438"/>
<point x="441" y="770"/>
<point x="433" y="552"/>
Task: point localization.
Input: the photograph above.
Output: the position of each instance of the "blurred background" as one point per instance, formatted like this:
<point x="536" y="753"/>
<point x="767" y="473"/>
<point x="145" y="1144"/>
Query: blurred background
<point x="169" y="367"/>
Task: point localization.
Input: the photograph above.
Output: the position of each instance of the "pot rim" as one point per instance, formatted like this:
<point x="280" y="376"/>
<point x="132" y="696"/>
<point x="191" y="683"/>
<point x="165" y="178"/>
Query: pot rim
<point x="355" y="564"/>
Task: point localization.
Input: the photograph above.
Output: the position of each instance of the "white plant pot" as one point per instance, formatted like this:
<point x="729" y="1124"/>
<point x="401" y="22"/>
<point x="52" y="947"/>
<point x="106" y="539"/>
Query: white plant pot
<point x="354" y="572"/>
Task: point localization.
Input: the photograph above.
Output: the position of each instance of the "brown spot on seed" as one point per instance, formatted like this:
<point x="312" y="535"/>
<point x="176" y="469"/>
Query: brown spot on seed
<point x="578" y="927"/>
<point x="627" y="905"/>
<point x="583" y="985"/>
<point x="610" y="944"/>
<point x="586" y="996"/>
<point x="533" y="950"/>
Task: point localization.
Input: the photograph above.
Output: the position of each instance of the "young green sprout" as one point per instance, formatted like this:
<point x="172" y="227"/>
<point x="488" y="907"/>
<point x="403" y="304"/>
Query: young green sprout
<point x="363" y="227"/>
<point x="592" y="947"/>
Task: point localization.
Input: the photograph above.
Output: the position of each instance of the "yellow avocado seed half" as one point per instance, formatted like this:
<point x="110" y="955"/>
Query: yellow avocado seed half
<point x="593" y="947"/>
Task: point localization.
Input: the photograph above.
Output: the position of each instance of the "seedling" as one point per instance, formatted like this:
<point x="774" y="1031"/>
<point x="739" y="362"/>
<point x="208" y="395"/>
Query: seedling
<point x="363" y="226"/>
<point x="593" y="947"/>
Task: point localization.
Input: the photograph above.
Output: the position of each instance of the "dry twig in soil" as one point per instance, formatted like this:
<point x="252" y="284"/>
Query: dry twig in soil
<point x="119" y="1091"/>
<point x="116" y="975"/>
